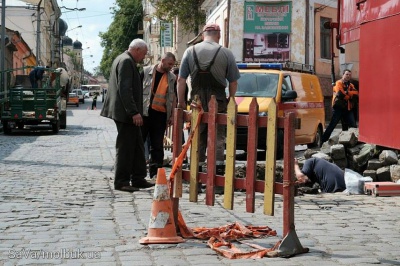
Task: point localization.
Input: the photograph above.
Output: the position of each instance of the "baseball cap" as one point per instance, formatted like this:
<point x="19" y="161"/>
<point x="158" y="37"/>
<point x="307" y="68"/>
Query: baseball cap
<point x="211" y="27"/>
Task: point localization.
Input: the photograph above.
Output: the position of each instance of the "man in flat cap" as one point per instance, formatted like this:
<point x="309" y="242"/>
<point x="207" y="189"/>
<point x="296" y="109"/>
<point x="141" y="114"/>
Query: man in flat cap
<point x="210" y="66"/>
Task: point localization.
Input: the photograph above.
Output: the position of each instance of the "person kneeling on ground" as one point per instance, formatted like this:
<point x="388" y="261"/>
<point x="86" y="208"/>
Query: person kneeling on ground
<point x="328" y="175"/>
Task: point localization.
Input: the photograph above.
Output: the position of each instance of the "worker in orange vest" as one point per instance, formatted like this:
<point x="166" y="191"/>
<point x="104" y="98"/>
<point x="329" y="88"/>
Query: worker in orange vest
<point x="344" y="93"/>
<point x="158" y="102"/>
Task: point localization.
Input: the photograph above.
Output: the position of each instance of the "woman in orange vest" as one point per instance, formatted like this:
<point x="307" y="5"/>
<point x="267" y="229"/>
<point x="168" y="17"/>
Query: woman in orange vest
<point x="342" y="107"/>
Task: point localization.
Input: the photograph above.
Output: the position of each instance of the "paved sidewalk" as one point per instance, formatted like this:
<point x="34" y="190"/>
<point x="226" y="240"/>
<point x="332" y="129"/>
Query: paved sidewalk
<point x="58" y="207"/>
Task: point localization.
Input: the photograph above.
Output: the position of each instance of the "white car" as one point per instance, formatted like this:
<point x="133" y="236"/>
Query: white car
<point x="80" y="94"/>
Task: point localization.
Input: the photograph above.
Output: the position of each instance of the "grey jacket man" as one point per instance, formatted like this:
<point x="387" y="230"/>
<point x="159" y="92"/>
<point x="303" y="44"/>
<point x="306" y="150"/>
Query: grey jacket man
<point x="147" y="87"/>
<point x="124" y="97"/>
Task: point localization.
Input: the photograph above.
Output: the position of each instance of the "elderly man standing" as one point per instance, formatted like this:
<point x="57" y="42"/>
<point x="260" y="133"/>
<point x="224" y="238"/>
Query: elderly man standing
<point x="124" y="104"/>
<point x="158" y="101"/>
<point x="210" y="65"/>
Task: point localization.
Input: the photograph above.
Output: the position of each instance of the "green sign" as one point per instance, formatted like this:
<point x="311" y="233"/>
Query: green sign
<point x="166" y="34"/>
<point x="267" y="18"/>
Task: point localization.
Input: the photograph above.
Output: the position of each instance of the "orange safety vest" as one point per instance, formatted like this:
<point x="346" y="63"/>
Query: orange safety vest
<point x="349" y="93"/>
<point x="160" y="97"/>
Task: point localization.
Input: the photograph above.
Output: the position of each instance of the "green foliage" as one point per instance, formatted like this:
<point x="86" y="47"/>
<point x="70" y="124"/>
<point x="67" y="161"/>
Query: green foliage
<point x="188" y="12"/>
<point x="97" y="71"/>
<point x="123" y="29"/>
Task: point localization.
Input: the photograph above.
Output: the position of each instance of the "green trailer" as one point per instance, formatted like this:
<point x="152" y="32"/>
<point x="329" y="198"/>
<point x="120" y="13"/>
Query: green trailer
<point x="23" y="105"/>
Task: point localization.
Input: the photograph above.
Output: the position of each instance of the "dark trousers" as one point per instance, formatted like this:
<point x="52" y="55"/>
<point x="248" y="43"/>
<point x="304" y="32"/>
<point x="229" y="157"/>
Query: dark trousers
<point x="130" y="163"/>
<point x="337" y="115"/>
<point x="154" y="126"/>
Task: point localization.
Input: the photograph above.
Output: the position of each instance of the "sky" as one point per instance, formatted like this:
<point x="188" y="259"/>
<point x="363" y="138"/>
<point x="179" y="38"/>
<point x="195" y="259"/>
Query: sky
<point x="95" y="19"/>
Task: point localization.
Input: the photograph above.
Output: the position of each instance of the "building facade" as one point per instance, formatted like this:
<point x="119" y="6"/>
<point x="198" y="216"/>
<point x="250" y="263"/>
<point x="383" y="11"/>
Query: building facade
<point x="40" y="32"/>
<point x="280" y="31"/>
<point x="162" y="36"/>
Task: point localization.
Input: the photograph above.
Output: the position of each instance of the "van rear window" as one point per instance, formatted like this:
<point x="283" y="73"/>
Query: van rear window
<point x="257" y="85"/>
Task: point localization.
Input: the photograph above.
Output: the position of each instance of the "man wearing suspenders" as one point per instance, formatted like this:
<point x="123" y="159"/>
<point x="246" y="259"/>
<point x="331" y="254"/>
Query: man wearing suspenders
<point x="210" y="65"/>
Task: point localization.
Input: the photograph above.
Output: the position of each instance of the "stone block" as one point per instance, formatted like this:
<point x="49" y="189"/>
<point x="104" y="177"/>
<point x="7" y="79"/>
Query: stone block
<point x="309" y="152"/>
<point x="348" y="138"/>
<point x="326" y="148"/>
<point x="374" y="164"/>
<point x="342" y="163"/>
<point x="383" y="174"/>
<point x="334" y="139"/>
<point x="395" y="172"/>
<point x="364" y="155"/>
<point x="338" y="152"/>
<point x="354" y="150"/>
<point x="355" y="131"/>
<point x="370" y="173"/>
<point x="388" y="157"/>
<point x="352" y="164"/>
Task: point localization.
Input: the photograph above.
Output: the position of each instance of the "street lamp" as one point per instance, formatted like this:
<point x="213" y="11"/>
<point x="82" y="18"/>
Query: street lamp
<point x="77" y="27"/>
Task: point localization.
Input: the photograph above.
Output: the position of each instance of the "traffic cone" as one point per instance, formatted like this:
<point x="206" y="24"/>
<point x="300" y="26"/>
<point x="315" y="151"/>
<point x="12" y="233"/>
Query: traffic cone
<point x="162" y="228"/>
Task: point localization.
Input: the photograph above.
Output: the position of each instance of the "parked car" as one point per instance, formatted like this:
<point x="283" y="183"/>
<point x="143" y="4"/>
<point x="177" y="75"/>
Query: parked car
<point x="80" y="94"/>
<point x="292" y="90"/>
<point x="86" y="94"/>
<point x="73" y="99"/>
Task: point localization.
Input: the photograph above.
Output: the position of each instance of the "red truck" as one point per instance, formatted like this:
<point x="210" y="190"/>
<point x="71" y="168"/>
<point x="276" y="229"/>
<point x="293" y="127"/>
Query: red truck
<point x="375" y="25"/>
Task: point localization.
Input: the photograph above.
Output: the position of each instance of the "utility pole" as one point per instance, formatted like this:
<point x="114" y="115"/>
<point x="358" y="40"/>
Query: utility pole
<point x="3" y="46"/>
<point x="81" y="73"/>
<point x="38" y="34"/>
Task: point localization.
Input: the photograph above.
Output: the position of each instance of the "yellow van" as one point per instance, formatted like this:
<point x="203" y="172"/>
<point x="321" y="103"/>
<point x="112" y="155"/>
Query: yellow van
<point x="293" y="88"/>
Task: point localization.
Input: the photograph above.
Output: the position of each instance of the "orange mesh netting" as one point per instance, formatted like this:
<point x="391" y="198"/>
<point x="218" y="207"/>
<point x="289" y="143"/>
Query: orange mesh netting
<point x="218" y="238"/>
<point x="230" y="251"/>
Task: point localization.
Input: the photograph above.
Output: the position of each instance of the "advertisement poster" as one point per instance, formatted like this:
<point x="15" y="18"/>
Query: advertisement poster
<point x="266" y="34"/>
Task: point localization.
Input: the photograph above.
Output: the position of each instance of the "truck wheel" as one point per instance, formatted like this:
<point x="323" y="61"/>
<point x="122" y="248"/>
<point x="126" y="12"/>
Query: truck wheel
<point x="63" y="120"/>
<point x="317" y="141"/>
<point x="56" y="127"/>
<point x="6" y="129"/>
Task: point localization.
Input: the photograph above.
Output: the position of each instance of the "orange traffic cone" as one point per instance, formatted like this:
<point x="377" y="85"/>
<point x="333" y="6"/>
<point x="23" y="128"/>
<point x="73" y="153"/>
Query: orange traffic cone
<point x="162" y="224"/>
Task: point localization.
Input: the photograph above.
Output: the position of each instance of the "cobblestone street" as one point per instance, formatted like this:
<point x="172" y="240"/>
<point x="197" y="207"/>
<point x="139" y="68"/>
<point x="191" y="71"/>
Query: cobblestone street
<point x="58" y="207"/>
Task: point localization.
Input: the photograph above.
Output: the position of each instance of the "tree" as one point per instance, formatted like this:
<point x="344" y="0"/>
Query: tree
<point x="123" y="29"/>
<point x="97" y="71"/>
<point x="188" y="12"/>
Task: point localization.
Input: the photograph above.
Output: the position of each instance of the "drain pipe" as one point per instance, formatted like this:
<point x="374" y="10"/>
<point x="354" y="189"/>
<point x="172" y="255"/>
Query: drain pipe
<point x="228" y="24"/>
<point x="332" y="26"/>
